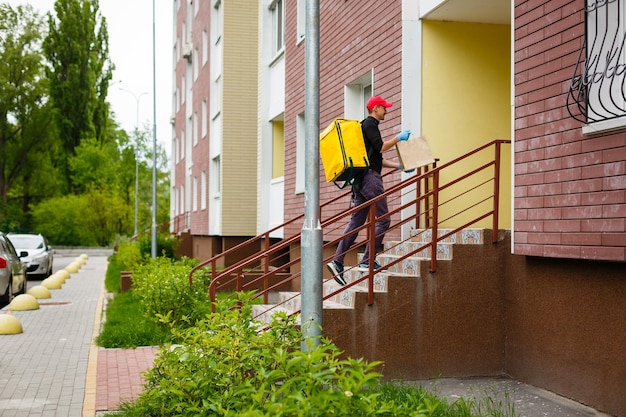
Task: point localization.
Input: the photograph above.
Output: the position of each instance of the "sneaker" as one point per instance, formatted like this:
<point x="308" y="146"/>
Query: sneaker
<point x="366" y="265"/>
<point x="336" y="269"/>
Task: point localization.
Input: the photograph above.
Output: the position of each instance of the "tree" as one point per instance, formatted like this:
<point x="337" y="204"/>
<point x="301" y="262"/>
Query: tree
<point x="25" y="140"/>
<point x="77" y="48"/>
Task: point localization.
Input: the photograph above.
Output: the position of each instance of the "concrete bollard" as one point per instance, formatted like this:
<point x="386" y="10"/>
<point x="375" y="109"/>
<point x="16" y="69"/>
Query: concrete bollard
<point x="24" y="302"/>
<point x="10" y="324"/>
<point x="39" y="291"/>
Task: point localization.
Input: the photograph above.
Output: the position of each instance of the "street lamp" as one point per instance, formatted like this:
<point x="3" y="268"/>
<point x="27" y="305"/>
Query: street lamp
<point x="137" y="99"/>
<point x="154" y="138"/>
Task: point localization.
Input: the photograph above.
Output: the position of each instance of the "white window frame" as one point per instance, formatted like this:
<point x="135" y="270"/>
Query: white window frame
<point x="356" y="94"/>
<point x="203" y="190"/>
<point x="277" y="9"/>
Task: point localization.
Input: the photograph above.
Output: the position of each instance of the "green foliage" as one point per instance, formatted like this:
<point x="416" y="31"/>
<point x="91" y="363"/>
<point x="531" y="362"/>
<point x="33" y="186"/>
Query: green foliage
<point x="225" y="366"/>
<point x="125" y="326"/>
<point x="163" y="285"/>
<point x="61" y="220"/>
<point x="92" y="219"/>
<point x="80" y="70"/>
<point x="129" y="256"/>
<point x="167" y="245"/>
<point x="26" y="142"/>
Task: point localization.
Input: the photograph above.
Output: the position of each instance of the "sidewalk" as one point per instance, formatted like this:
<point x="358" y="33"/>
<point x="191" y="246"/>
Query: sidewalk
<point x="54" y="369"/>
<point x="48" y="369"/>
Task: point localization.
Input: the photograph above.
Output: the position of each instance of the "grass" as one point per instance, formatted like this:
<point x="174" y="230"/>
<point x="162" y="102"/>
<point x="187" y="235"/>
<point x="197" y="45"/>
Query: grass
<point x="126" y="326"/>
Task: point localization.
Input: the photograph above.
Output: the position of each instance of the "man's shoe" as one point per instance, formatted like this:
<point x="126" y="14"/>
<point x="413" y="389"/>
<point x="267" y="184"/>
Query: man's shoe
<point x="336" y="269"/>
<point x="366" y="265"/>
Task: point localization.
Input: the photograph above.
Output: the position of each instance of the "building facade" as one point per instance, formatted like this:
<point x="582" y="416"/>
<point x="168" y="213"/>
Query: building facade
<point x="214" y="144"/>
<point x="549" y="75"/>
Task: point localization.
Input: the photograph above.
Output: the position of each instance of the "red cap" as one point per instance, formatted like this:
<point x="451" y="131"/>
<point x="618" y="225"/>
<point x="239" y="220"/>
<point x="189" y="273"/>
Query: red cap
<point x="377" y="101"/>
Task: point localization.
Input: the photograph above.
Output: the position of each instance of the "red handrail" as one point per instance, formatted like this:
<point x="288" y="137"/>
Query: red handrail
<point x="428" y="188"/>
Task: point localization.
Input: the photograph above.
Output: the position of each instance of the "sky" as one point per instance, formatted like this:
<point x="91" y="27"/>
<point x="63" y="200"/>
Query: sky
<point x="130" y="49"/>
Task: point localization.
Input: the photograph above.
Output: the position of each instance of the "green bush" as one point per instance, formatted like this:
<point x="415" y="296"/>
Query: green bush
<point x="167" y="245"/>
<point x="225" y="366"/>
<point x="128" y="254"/>
<point x="163" y="287"/>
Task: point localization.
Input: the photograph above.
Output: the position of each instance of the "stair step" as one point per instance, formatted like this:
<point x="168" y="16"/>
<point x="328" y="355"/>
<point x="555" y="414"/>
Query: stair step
<point x="444" y="250"/>
<point x="290" y="302"/>
<point x="465" y="236"/>
<point x="409" y="266"/>
<point x="263" y="313"/>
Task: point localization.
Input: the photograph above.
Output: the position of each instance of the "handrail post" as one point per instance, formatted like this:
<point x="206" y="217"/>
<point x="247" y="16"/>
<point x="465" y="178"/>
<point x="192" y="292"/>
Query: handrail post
<point x="266" y="269"/>
<point x="435" y="222"/>
<point x="496" y="193"/>
<point x="371" y="238"/>
<point x="418" y="200"/>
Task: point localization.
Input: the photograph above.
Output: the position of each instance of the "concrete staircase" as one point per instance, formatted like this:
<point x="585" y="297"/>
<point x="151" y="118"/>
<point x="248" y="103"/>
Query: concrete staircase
<point x="290" y="301"/>
<point x="422" y="324"/>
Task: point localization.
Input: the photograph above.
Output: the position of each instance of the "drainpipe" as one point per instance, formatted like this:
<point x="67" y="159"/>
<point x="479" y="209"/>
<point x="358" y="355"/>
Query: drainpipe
<point x="311" y="235"/>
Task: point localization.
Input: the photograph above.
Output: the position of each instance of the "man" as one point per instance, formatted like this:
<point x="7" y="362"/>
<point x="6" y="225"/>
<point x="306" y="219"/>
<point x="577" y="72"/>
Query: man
<point x="371" y="186"/>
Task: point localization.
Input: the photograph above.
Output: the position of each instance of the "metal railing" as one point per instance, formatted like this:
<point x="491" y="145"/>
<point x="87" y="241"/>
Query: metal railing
<point x="428" y="196"/>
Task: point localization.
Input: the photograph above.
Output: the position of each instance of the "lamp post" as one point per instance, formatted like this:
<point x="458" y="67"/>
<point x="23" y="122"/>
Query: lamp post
<point x="137" y="99"/>
<point x="154" y="132"/>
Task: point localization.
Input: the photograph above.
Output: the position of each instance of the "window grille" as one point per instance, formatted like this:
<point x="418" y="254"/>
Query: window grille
<point x="598" y="89"/>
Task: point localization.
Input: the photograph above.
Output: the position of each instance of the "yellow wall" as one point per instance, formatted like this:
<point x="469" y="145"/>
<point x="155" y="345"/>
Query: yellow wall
<point x="278" y="149"/>
<point x="466" y="103"/>
<point x="239" y="119"/>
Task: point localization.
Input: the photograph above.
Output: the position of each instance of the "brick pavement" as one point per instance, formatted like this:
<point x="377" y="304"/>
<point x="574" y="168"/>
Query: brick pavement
<point x="120" y="375"/>
<point x="43" y="370"/>
<point x="54" y="368"/>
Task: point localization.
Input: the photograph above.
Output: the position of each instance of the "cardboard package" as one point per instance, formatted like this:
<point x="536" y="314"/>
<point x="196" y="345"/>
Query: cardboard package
<point x="414" y="153"/>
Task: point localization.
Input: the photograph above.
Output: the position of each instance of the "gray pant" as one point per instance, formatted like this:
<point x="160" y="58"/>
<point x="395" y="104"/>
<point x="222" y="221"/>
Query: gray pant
<point x="371" y="187"/>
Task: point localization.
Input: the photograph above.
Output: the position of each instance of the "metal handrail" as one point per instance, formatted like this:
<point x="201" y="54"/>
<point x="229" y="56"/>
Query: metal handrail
<point x="427" y="188"/>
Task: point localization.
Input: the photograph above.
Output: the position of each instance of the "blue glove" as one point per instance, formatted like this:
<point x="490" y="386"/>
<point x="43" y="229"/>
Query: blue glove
<point x="408" y="171"/>
<point x="404" y="135"/>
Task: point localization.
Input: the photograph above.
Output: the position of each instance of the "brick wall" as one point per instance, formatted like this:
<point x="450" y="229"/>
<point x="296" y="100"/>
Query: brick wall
<point x="352" y="41"/>
<point x="569" y="188"/>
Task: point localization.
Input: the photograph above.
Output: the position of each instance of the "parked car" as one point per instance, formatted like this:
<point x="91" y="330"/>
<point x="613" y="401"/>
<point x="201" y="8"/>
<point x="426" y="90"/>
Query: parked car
<point x="38" y="255"/>
<point x="12" y="271"/>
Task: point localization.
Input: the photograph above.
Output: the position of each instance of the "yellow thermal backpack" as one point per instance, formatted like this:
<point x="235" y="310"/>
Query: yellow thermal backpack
<point x="343" y="152"/>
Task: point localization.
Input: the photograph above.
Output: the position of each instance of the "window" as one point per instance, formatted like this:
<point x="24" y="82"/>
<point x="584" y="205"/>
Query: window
<point x="194" y="60"/>
<point x="278" y="149"/>
<point x="216" y="60"/>
<point x="216" y="21"/>
<point x="205" y="47"/>
<point x="598" y="90"/>
<point x="301" y="20"/>
<point x="300" y="153"/>
<point x="356" y="95"/>
<point x="183" y="89"/>
<point x="194" y="194"/>
<point x="278" y="25"/>
<point x="203" y="191"/>
<point x="203" y="119"/>
<point x="215" y="175"/>
<point x="181" y="202"/>
<point x="182" y="144"/>
<point x="194" y="122"/>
